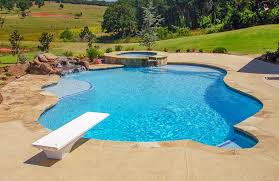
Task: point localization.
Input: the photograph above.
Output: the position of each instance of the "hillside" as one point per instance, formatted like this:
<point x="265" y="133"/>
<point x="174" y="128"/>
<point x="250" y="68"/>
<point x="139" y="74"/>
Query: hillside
<point x="253" y="40"/>
<point x="52" y="19"/>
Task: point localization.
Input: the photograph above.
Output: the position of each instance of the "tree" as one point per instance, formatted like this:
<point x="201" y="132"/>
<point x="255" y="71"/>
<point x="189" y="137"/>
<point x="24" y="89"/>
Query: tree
<point x="86" y="35"/>
<point x="23" y="5"/>
<point x="120" y="18"/>
<point x="7" y="4"/>
<point x="15" y="41"/>
<point x="2" y="22"/>
<point x="151" y="22"/>
<point x="45" y="40"/>
<point x="39" y="3"/>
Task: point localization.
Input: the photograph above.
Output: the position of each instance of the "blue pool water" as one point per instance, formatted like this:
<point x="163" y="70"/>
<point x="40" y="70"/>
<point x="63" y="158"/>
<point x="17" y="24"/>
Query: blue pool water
<point x="137" y="54"/>
<point x="173" y="102"/>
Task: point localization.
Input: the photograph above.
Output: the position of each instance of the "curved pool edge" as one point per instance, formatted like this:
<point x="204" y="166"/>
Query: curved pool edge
<point x="243" y="126"/>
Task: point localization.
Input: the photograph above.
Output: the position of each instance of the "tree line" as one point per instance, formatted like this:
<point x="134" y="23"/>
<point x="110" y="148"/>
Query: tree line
<point x="125" y="17"/>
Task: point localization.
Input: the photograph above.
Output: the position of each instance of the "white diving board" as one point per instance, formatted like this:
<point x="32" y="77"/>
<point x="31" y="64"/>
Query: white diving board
<point x="59" y="143"/>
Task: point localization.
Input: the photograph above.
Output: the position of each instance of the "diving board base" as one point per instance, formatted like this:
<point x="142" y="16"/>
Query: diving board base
<point x="59" y="154"/>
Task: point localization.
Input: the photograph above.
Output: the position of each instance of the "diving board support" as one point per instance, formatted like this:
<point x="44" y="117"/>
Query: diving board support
<point x="57" y="144"/>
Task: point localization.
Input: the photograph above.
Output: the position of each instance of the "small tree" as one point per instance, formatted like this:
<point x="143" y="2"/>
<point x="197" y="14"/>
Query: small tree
<point x="151" y="22"/>
<point x="2" y="22"/>
<point x="45" y="40"/>
<point x="23" y="5"/>
<point x="15" y="40"/>
<point x="61" y="6"/>
<point x="86" y="35"/>
<point x="40" y="3"/>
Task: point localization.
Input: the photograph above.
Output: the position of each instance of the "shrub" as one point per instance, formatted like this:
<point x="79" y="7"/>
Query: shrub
<point x="193" y="50"/>
<point x="129" y="48"/>
<point x="178" y="50"/>
<point x="118" y="47"/>
<point x="109" y="50"/>
<point x="165" y="50"/>
<point x="220" y="50"/>
<point x="215" y="29"/>
<point x="182" y="32"/>
<point x="188" y="50"/>
<point x="78" y="15"/>
<point x="93" y="53"/>
<point x="200" y="50"/>
<point x="164" y="33"/>
<point x="45" y="40"/>
<point x="61" y="6"/>
<point x="68" y="53"/>
<point x="22" y="59"/>
<point x="67" y="35"/>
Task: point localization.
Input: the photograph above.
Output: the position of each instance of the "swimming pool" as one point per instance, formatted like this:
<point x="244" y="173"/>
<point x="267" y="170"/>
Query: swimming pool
<point x="173" y="102"/>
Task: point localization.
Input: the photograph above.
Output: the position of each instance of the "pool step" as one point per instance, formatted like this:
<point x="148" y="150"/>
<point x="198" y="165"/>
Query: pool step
<point x="229" y="144"/>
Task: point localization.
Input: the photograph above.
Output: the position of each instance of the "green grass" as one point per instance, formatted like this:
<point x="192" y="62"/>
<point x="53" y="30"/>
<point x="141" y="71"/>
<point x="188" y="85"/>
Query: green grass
<point x="254" y="40"/>
<point x="31" y="27"/>
<point x="10" y="59"/>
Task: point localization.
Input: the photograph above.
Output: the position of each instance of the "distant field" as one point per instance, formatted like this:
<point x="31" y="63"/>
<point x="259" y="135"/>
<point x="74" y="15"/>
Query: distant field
<point x="32" y="26"/>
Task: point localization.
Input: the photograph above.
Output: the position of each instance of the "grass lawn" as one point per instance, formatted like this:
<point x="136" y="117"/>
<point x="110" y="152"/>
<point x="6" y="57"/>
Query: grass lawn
<point x="10" y="59"/>
<point x="254" y="40"/>
<point x="31" y="27"/>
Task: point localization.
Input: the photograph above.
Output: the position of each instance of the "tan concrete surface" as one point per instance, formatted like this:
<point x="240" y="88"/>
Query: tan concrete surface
<point x="174" y="161"/>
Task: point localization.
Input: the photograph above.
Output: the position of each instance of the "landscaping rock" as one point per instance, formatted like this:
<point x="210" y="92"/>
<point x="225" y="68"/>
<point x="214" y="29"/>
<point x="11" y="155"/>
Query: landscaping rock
<point x="47" y="63"/>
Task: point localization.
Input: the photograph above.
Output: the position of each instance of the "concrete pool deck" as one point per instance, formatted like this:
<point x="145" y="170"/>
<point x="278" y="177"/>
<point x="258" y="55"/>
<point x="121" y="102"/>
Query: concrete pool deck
<point x="23" y="102"/>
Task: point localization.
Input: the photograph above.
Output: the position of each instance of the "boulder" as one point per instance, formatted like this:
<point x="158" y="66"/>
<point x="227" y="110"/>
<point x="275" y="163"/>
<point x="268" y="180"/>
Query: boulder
<point x="85" y="64"/>
<point x="42" y="58"/>
<point x="50" y="56"/>
<point x="46" y="68"/>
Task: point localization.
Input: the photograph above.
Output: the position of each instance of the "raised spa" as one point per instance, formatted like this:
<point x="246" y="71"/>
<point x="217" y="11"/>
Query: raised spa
<point x="173" y="102"/>
<point x="136" y="58"/>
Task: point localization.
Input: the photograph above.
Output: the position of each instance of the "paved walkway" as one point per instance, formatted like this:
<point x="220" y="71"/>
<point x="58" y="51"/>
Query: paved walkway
<point x="104" y="160"/>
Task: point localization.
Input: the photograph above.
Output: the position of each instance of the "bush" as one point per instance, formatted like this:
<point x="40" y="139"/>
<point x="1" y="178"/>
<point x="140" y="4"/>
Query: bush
<point x="165" y="50"/>
<point x="182" y="32"/>
<point x="188" y="50"/>
<point x="220" y="50"/>
<point x="22" y="59"/>
<point x="93" y="53"/>
<point x="200" y="50"/>
<point x="178" y="50"/>
<point x="129" y="48"/>
<point x="78" y="15"/>
<point x="118" y="47"/>
<point x="67" y="35"/>
<point x="68" y="53"/>
<point x="215" y="29"/>
<point x="109" y="50"/>
<point x="193" y="50"/>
